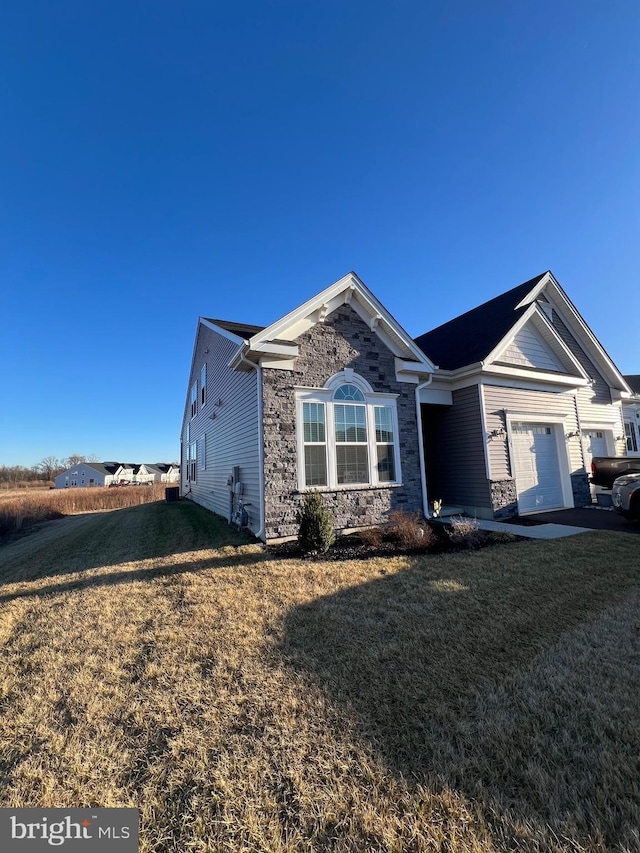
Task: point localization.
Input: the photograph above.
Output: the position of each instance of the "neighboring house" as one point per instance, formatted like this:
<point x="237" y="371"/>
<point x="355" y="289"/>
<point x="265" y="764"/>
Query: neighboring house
<point x="86" y="474"/>
<point x="336" y="397"/>
<point x="531" y="397"/>
<point x="160" y="472"/>
<point x="631" y="412"/>
<point x="127" y="472"/>
<point x="323" y="399"/>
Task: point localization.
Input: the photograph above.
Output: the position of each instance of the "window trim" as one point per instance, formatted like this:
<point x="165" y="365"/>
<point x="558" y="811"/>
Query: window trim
<point x="194" y="399"/>
<point x="192" y="463"/>
<point x="203" y="384"/>
<point x="372" y="400"/>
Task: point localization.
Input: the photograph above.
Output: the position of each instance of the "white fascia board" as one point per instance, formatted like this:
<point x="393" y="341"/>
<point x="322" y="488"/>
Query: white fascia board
<point x="277" y="363"/>
<point x="591" y="345"/>
<point x="439" y="396"/>
<point x="525" y="384"/>
<point x="280" y="327"/>
<point x="223" y="332"/>
<point x="536" y="375"/>
<point x="535" y="291"/>
<point x="347" y="290"/>
<point x="411" y="371"/>
<point x="543" y="323"/>
<point x="276" y="349"/>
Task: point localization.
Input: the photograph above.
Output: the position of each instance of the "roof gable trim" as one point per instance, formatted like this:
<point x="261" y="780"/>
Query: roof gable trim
<point x="349" y="290"/>
<point x="537" y="318"/>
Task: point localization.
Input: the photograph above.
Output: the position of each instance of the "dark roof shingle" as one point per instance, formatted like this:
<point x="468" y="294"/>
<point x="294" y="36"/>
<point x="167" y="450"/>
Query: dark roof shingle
<point x="242" y="330"/>
<point x="633" y="382"/>
<point x="470" y="337"/>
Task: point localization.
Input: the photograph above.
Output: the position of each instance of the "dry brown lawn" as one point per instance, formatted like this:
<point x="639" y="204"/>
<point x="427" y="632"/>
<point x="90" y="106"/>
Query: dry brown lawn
<point x="21" y="509"/>
<point x="478" y="701"/>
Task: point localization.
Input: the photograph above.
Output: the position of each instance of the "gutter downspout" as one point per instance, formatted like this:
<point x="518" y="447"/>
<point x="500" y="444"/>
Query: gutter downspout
<point x="423" y="470"/>
<point x="258" y="370"/>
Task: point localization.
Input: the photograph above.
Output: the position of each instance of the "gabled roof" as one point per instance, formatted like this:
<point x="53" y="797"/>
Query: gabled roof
<point x="100" y="467"/>
<point x="277" y="342"/>
<point x="633" y="382"/>
<point x="470" y="338"/>
<point x="109" y="467"/>
<point x="476" y="338"/>
<point x="240" y="330"/>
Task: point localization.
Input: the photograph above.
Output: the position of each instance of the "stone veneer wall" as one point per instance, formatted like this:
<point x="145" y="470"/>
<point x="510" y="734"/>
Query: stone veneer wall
<point x="580" y="487"/>
<point x="342" y="341"/>
<point x="504" y="498"/>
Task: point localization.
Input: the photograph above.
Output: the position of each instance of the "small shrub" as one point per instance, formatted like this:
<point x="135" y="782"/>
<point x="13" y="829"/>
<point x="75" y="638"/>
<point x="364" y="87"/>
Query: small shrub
<point x="412" y="533"/>
<point x="372" y="536"/>
<point x="317" y="531"/>
<point x="497" y="537"/>
<point x="465" y="533"/>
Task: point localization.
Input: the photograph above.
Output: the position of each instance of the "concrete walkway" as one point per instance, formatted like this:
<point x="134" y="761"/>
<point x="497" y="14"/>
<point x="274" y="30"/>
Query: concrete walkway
<point x="538" y="531"/>
<point x="562" y="522"/>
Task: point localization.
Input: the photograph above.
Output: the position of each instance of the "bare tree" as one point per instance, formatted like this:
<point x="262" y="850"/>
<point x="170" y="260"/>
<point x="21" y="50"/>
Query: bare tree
<point x="49" y="467"/>
<point x="74" y="459"/>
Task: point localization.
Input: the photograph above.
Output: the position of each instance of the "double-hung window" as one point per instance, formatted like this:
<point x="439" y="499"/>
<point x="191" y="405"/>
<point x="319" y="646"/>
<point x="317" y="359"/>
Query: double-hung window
<point x="193" y="461"/>
<point x="631" y="437"/>
<point x="315" y="444"/>
<point x="194" y="398"/>
<point x="203" y="385"/>
<point x="347" y="435"/>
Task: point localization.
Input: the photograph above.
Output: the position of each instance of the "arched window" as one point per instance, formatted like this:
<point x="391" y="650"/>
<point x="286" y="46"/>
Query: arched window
<point x="347" y="435"/>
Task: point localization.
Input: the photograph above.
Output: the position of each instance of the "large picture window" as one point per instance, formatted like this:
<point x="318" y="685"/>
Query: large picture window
<point x="347" y="435"/>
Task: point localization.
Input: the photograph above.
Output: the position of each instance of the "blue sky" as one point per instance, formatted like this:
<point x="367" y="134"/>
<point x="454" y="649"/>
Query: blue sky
<point x="163" y="160"/>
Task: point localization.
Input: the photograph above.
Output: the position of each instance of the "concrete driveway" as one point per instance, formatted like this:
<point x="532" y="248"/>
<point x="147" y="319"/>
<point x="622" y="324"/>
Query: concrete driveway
<point x="595" y="518"/>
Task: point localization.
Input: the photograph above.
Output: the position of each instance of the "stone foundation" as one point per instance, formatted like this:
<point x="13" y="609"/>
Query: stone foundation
<point x="504" y="498"/>
<point x="580" y="487"/>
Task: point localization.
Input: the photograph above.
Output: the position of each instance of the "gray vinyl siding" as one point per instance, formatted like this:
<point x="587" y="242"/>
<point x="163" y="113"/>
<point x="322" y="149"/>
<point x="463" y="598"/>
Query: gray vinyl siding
<point x="83" y="474"/>
<point x="455" y="449"/>
<point x="498" y="399"/>
<point x="529" y="350"/>
<point x="227" y="426"/>
<point x="594" y="401"/>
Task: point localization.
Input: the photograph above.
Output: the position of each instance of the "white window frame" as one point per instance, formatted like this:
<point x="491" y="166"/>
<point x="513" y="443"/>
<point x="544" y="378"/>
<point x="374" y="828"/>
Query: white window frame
<point x="193" y="462"/>
<point x="372" y="399"/>
<point x="194" y="399"/>
<point x="631" y="437"/>
<point x="203" y="384"/>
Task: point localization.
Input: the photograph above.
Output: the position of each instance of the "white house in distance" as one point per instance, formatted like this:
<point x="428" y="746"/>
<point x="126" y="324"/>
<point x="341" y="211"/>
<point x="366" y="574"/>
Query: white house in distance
<point x="90" y="474"/>
<point x="86" y="474"/>
<point x="160" y="472"/>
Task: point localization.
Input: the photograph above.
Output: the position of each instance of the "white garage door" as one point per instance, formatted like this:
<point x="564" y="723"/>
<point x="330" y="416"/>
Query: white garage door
<point x="595" y="444"/>
<point x="537" y="471"/>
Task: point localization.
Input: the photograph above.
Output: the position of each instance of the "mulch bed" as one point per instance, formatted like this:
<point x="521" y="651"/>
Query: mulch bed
<point x="353" y="547"/>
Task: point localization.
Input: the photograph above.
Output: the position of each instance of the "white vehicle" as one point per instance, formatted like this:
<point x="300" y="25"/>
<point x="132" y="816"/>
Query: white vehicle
<point x="625" y="495"/>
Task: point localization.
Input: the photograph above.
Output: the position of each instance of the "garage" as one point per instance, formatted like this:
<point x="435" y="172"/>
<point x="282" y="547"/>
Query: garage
<point x="595" y="444"/>
<point x="536" y="467"/>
